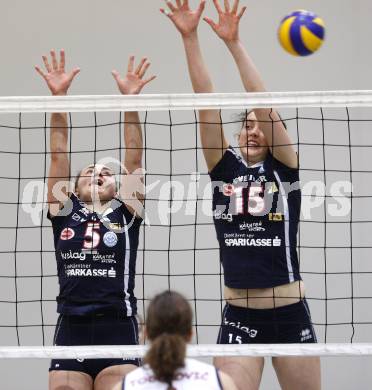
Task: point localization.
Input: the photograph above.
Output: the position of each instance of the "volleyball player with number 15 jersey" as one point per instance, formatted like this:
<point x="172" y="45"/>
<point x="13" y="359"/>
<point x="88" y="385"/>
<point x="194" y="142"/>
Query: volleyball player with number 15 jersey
<point x="256" y="207"/>
<point x="96" y="233"/>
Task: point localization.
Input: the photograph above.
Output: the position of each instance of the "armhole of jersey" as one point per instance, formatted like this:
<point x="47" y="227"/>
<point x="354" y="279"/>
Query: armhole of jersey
<point x="129" y="216"/>
<point x="288" y="171"/>
<point x="123" y="384"/>
<point x="219" y="378"/>
<point x="220" y="164"/>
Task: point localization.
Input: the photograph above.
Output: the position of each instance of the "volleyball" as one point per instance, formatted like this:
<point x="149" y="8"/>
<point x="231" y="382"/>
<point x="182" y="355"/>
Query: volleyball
<point x="301" y="33"/>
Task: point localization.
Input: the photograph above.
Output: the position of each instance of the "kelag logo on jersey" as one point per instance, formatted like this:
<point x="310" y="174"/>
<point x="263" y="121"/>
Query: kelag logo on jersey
<point x="218" y="214"/>
<point x="251" y="332"/>
<point x="73" y="255"/>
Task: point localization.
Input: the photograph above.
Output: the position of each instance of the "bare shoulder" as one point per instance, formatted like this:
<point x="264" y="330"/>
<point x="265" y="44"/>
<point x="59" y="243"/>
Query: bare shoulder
<point x="63" y="202"/>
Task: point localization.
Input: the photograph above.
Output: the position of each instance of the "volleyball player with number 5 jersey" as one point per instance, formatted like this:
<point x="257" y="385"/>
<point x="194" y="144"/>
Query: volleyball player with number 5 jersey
<point x="96" y="232"/>
<point x="256" y="209"/>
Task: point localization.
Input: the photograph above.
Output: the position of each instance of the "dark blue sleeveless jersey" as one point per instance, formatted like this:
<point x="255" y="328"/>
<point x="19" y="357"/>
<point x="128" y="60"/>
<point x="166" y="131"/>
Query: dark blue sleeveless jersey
<point x="96" y="258"/>
<point x="256" y="212"/>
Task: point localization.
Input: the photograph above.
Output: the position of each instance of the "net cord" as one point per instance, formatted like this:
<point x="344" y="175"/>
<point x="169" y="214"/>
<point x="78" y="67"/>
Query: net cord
<point x="205" y="350"/>
<point x="161" y="102"/>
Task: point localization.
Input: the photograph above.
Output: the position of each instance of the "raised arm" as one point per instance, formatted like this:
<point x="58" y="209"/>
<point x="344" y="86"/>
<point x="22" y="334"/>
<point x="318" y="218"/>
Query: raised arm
<point x="58" y="82"/>
<point x="186" y="21"/>
<point x="132" y="84"/>
<point x="227" y="28"/>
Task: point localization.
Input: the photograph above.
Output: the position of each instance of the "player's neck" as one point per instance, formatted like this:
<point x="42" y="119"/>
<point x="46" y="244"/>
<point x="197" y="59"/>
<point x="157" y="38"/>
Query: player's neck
<point x="255" y="164"/>
<point x="98" y="206"/>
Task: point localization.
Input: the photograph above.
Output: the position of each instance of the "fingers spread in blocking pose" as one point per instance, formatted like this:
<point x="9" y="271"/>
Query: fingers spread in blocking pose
<point x="134" y="80"/>
<point x="57" y="79"/>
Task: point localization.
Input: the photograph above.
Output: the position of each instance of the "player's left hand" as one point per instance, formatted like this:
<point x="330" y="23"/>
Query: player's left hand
<point x="227" y="27"/>
<point x="134" y="81"/>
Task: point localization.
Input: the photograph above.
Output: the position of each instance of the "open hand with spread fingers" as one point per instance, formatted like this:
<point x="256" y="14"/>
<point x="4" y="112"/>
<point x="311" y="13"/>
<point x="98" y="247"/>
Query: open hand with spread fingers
<point x="134" y="80"/>
<point x="57" y="79"/>
<point x="227" y="27"/>
<point x="185" y="19"/>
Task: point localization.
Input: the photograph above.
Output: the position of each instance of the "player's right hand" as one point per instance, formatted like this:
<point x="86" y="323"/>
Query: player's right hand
<point x="185" y="19"/>
<point x="57" y="79"/>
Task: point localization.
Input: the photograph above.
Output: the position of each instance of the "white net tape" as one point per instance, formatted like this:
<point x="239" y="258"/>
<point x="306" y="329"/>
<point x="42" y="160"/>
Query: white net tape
<point x="162" y="102"/>
<point x="205" y="350"/>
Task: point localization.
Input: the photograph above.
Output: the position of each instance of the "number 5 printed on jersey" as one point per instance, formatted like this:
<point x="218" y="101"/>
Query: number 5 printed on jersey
<point x="91" y="237"/>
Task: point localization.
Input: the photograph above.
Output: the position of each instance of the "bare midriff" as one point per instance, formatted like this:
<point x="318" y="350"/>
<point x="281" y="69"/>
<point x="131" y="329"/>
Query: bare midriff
<point x="265" y="298"/>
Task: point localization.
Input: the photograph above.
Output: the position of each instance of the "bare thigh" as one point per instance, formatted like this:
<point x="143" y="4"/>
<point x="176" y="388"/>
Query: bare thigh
<point x="298" y="372"/>
<point x="246" y="372"/>
<point x="112" y="376"/>
<point x="70" y="380"/>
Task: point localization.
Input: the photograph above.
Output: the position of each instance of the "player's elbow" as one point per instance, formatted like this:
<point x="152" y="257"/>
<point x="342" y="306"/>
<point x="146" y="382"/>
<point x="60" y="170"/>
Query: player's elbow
<point x="133" y="163"/>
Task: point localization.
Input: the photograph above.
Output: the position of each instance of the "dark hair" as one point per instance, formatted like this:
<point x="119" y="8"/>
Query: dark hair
<point x="168" y="327"/>
<point x="242" y="116"/>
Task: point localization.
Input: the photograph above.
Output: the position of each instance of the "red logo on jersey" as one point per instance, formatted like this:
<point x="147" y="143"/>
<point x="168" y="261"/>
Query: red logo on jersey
<point x="228" y="189"/>
<point x="67" y="234"/>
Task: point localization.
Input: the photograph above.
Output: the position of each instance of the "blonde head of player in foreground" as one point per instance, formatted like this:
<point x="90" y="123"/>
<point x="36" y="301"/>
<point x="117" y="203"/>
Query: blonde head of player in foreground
<point x="169" y="329"/>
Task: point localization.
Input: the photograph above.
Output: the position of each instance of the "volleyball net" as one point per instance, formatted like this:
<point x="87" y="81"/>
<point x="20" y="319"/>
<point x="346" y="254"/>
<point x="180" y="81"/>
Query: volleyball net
<point x="178" y="249"/>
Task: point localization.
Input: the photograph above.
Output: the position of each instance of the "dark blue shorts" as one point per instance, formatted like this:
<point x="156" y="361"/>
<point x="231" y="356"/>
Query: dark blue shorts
<point x="95" y="329"/>
<point x="282" y="325"/>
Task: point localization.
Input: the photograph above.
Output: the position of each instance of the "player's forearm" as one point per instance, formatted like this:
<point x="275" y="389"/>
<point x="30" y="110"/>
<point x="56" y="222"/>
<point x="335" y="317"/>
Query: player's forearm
<point x="248" y="72"/>
<point x="199" y="74"/>
<point x="58" y="134"/>
<point x="251" y="80"/>
<point x="133" y="141"/>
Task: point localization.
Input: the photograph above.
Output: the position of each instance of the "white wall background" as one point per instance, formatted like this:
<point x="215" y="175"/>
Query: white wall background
<point x="99" y="36"/>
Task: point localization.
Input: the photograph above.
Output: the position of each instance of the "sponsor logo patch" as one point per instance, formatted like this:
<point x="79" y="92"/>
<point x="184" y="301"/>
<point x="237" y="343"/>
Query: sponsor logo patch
<point x="275" y="217"/>
<point x="67" y="234"/>
<point x="85" y="211"/>
<point x="228" y="189"/>
<point x="76" y="217"/>
<point x="273" y="189"/>
<point x="252" y="226"/>
<point x="115" y="226"/>
<point x="219" y="215"/>
<point x="253" y="241"/>
<point x="306" y="335"/>
<point x="87" y="272"/>
<point x="112" y="273"/>
<point x="73" y="255"/>
<point x="250" y="331"/>
<point x="110" y="239"/>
